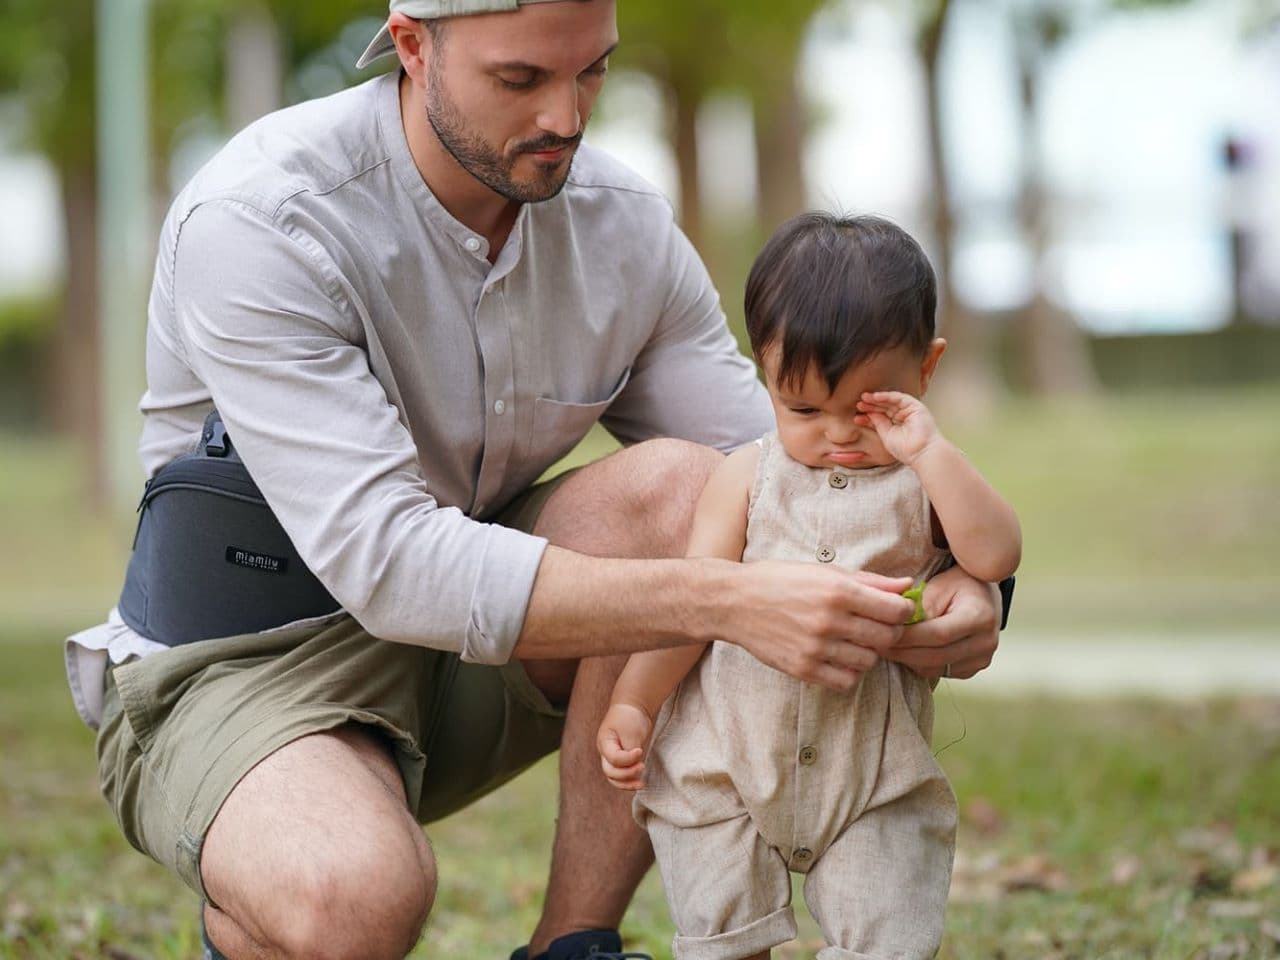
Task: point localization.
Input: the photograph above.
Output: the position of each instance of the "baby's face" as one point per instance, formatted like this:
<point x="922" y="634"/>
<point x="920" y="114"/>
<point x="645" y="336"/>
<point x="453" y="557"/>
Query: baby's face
<point x="822" y="428"/>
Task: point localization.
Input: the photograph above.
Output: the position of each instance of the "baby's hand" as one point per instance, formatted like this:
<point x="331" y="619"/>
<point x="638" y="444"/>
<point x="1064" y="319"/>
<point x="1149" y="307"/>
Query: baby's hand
<point x="624" y="731"/>
<point x="905" y="426"/>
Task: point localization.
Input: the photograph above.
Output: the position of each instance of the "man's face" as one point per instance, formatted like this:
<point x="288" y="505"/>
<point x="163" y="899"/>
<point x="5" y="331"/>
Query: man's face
<point x="508" y="95"/>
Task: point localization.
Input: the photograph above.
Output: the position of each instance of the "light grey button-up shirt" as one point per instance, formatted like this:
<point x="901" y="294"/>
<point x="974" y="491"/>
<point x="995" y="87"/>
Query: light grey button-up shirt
<point x="390" y="389"/>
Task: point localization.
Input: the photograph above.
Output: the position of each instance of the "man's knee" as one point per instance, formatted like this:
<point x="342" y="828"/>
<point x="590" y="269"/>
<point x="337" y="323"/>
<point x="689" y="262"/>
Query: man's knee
<point x="370" y="904"/>
<point x="667" y="486"/>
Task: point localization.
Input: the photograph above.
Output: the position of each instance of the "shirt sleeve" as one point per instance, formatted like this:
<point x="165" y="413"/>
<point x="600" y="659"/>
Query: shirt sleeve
<point x="268" y="327"/>
<point x="690" y="380"/>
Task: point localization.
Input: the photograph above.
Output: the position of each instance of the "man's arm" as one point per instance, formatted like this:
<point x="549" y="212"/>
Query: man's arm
<point x="267" y="326"/>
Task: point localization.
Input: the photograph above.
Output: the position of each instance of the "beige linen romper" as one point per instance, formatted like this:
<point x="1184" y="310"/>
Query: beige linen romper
<point x="753" y="774"/>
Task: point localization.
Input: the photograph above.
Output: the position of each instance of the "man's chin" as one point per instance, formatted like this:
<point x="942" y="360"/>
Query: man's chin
<point x="540" y="189"/>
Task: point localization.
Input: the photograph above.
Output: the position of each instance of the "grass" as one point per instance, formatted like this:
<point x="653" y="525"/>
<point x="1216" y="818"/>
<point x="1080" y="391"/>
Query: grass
<point x="1090" y="829"/>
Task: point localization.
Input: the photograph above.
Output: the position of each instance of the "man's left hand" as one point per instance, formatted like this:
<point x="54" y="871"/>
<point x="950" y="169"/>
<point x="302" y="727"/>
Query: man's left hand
<point x="960" y="636"/>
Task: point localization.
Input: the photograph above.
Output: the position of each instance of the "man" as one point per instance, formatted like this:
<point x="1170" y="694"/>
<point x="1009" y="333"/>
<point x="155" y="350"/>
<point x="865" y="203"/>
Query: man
<point x="406" y="302"/>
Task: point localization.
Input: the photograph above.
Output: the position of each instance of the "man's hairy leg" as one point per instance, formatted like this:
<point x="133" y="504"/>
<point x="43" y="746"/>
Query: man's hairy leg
<point x="315" y="855"/>
<point x="637" y="503"/>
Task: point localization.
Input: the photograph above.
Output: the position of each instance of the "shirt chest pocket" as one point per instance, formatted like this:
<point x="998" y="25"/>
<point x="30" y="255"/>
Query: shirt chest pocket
<point x="558" y="425"/>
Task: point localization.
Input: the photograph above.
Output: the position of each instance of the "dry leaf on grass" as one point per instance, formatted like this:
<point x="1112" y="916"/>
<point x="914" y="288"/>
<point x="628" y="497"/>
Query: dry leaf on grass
<point x="1270" y="928"/>
<point x="984" y="816"/>
<point x="1036" y="873"/>
<point x="1235" y="909"/>
<point x="1125" y="870"/>
<point x="1217" y="841"/>
<point x="1255" y="878"/>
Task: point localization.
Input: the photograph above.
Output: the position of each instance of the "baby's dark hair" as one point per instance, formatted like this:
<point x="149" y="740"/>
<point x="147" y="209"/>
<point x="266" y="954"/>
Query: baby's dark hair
<point x="835" y="291"/>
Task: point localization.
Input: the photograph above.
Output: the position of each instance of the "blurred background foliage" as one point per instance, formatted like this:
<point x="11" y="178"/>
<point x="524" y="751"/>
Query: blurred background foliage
<point x="215" y="66"/>
<point x="1142" y="454"/>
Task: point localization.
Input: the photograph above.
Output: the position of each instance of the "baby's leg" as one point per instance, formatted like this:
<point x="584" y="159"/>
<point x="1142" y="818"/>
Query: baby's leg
<point x="880" y="890"/>
<point x="729" y="892"/>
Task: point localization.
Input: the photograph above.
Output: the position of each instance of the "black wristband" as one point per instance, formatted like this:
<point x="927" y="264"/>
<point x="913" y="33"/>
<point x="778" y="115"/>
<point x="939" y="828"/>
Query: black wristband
<point x="1006" y="600"/>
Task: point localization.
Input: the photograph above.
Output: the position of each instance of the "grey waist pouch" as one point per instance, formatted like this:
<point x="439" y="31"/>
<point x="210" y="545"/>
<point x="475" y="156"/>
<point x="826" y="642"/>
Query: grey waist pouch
<point x="209" y="558"/>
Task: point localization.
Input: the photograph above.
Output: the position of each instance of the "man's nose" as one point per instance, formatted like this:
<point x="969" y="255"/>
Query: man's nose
<point x="559" y="113"/>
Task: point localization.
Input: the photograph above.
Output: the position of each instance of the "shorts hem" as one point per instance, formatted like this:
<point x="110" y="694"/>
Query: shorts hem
<point x="759" y="935"/>
<point x="246" y="752"/>
<point x="526" y="692"/>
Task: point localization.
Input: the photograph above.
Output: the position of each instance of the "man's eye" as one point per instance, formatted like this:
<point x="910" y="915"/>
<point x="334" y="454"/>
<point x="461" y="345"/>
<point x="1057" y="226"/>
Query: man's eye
<point x="517" y="82"/>
<point x="598" y="70"/>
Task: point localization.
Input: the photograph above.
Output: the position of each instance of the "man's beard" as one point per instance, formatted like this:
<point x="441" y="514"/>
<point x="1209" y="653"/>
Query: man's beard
<point x="485" y="163"/>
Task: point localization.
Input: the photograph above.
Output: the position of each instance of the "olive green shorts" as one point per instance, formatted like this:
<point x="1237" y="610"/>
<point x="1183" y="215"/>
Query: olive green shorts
<point x="181" y="727"/>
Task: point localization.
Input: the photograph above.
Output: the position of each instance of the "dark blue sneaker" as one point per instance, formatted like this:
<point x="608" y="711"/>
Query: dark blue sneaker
<point x="584" y="945"/>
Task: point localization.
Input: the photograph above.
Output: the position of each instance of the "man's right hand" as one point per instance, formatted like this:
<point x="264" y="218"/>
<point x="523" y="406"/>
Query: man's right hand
<point x="823" y="625"/>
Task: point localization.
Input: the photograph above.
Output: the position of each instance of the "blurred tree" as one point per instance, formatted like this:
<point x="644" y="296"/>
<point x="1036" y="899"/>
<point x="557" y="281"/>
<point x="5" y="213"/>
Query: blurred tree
<point x="201" y="49"/>
<point x="752" y="46"/>
<point x="972" y="383"/>
<point x="1052" y="351"/>
<point x="47" y="63"/>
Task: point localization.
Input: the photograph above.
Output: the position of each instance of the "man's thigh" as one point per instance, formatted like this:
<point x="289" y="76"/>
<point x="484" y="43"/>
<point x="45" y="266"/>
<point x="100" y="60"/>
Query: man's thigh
<point x="182" y="728"/>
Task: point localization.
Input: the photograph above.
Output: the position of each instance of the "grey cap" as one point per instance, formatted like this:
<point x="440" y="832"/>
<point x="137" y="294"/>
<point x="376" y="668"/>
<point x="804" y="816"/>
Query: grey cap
<point x="431" y="10"/>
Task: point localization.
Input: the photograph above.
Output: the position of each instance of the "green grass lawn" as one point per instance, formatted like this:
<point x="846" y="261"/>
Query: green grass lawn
<point x="1090" y="828"/>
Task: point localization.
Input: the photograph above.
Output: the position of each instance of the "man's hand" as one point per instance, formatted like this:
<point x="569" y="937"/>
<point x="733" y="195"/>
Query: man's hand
<point x="819" y="624"/>
<point x="624" y="731"/>
<point x="962" y="632"/>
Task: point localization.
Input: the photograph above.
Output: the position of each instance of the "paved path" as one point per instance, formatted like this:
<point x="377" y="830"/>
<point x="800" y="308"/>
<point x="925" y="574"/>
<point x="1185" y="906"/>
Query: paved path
<point x="1103" y="666"/>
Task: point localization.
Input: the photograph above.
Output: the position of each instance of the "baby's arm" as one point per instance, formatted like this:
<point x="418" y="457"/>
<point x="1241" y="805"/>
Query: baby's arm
<point x="982" y="530"/>
<point x="719" y="530"/>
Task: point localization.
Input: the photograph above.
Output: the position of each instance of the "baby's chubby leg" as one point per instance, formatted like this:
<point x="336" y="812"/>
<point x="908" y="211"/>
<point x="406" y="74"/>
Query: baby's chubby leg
<point x="880" y="889"/>
<point x="729" y="892"/>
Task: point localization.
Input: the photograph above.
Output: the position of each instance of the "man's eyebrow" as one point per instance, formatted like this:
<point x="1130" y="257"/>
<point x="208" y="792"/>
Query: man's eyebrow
<point x="518" y="65"/>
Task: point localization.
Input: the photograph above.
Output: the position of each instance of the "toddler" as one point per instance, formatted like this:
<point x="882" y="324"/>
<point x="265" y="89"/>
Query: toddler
<point x="746" y="774"/>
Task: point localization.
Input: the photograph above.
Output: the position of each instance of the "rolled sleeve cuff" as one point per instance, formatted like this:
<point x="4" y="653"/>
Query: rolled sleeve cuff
<point x="501" y="597"/>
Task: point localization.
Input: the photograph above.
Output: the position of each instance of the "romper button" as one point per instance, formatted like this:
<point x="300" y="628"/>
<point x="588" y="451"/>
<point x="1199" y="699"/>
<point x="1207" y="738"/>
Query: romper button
<point x="808" y="755"/>
<point x="499" y="407"/>
<point x="803" y="855"/>
<point x="826" y="554"/>
<point x="837" y="480"/>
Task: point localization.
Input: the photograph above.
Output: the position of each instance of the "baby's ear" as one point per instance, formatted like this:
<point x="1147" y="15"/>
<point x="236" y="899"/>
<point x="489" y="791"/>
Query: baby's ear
<point x="929" y="365"/>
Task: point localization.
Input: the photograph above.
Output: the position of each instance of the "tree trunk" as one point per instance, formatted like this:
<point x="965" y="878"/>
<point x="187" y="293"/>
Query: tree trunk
<point x="684" y="111"/>
<point x="970" y="384"/>
<point x="780" y="131"/>
<point x="1052" y="350"/>
<point x="255" y="66"/>
<point x="75" y="403"/>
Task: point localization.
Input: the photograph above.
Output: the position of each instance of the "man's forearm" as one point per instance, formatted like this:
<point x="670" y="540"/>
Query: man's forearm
<point x="590" y="606"/>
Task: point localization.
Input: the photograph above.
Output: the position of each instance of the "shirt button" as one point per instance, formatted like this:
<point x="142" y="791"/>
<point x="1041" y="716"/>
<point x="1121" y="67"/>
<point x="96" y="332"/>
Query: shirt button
<point x="808" y="755"/>
<point x="825" y="554"/>
<point x="837" y="480"/>
<point x="499" y="407"/>
<point x="472" y="244"/>
<point x="803" y="855"/>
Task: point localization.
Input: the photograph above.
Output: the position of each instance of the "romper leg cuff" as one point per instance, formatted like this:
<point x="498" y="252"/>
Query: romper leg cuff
<point x="756" y="937"/>
<point x="840" y="953"/>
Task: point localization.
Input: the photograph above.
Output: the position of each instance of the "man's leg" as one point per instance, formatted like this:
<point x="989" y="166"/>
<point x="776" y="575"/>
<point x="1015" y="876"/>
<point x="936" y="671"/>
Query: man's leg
<point x="314" y="855"/>
<point x="637" y="503"/>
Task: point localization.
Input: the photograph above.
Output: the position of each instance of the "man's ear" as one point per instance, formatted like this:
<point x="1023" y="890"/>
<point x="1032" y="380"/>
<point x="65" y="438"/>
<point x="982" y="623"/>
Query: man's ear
<point x="932" y="354"/>
<point x="413" y="45"/>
